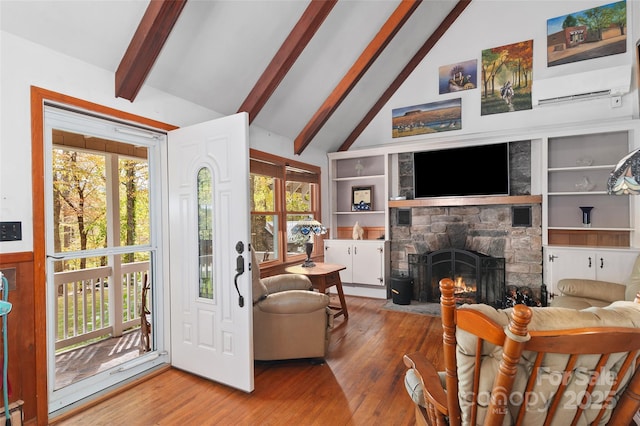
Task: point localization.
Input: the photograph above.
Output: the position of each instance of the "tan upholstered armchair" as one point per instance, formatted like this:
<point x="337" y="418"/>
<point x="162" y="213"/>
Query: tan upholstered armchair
<point x="530" y="366"/>
<point x="290" y="320"/>
<point x="580" y="293"/>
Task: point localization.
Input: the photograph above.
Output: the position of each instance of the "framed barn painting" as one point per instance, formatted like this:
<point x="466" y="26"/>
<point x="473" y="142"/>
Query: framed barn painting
<point x="427" y="118"/>
<point x="457" y="77"/>
<point x="507" y="76"/>
<point x="587" y="34"/>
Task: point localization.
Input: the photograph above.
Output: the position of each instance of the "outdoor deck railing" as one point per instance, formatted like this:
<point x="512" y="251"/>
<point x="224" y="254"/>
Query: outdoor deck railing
<point x="83" y="303"/>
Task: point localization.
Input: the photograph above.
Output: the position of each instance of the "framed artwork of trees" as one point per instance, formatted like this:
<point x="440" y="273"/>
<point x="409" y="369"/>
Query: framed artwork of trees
<point x="507" y="78"/>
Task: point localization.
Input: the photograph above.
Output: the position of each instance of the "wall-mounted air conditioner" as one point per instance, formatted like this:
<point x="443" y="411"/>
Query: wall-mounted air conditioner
<point x="607" y="82"/>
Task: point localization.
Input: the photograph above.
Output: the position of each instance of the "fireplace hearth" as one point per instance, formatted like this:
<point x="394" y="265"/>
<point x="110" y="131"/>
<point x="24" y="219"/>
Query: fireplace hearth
<point x="479" y="278"/>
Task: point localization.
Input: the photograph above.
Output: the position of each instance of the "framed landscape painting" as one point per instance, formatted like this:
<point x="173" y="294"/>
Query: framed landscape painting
<point x="587" y="34"/>
<point x="457" y="77"/>
<point x="427" y="118"/>
<point x="507" y="76"/>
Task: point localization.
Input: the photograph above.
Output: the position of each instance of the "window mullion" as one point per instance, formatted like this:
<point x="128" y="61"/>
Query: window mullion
<point x="282" y="218"/>
<point x="112" y="173"/>
<point x="113" y="200"/>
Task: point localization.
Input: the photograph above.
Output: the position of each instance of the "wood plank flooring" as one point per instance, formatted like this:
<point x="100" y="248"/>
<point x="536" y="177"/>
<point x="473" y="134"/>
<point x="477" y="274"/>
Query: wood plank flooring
<point x="361" y="382"/>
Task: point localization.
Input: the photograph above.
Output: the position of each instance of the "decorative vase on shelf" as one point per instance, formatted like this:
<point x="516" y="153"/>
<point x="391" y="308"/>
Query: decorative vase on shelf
<point x="586" y="216"/>
<point x="358" y="232"/>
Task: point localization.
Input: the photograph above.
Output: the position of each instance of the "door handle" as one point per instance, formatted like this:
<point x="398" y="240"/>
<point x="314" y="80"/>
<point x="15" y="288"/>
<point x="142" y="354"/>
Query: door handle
<point x="589" y="261"/>
<point x="601" y="263"/>
<point x="239" y="270"/>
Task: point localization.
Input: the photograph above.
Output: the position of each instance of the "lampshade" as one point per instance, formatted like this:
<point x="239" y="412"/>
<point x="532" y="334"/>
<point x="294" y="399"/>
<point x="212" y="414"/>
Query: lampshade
<point x="625" y="178"/>
<point x="308" y="226"/>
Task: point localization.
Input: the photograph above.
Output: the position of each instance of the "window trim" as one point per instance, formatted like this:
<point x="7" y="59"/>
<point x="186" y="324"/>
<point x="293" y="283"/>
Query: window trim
<point x="273" y="165"/>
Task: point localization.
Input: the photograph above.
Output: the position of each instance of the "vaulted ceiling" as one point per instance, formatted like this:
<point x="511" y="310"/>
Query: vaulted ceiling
<point x="313" y="71"/>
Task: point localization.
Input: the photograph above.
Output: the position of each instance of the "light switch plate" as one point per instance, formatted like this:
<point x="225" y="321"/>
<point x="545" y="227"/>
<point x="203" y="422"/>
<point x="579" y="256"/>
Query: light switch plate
<point x="10" y="231"/>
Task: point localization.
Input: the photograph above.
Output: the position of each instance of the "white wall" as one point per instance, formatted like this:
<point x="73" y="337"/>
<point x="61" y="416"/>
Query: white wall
<point x="24" y="64"/>
<point x="482" y="26"/>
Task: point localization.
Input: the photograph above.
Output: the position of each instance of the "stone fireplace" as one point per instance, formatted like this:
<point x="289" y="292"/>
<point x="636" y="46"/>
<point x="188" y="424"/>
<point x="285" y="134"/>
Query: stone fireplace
<point x="484" y="229"/>
<point x="491" y="226"/>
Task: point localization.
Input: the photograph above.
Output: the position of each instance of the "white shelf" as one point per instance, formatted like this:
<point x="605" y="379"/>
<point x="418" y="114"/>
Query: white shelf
<point x="582" y="228"/>
<point x="362" y="169"/>
<point x="362" y="212"/>
<point x="565" y="176"/>
<point x="581" y="168"/>
<point x="578" y="193"/>
<point x="358" y="178"/>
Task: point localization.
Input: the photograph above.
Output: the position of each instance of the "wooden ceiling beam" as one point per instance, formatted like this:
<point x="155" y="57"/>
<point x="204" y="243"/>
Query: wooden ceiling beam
<point x="368" y="56"/>
<point x="145" y="46"/>
<point x="406" y="71"/>
<point x="313" y="16"/>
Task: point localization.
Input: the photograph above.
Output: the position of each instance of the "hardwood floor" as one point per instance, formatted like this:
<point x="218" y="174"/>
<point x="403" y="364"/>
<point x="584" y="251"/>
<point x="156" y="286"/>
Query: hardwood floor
<point x="361" y="383"/>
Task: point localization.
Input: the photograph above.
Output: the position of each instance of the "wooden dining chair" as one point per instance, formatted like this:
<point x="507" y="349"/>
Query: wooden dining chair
<point x="530" y="366"/>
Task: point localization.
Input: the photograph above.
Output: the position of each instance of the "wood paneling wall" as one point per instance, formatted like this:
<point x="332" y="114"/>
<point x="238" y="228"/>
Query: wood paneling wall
<point x="21" y="333"/>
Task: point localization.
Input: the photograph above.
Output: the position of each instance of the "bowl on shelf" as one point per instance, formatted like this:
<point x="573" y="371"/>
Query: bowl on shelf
<point x="585" y="185"/>
<point x="584" y="161"/>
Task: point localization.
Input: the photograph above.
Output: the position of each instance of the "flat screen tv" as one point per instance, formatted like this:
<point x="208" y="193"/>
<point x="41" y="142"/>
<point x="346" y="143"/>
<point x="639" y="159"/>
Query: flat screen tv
<point x="466" y="171"/>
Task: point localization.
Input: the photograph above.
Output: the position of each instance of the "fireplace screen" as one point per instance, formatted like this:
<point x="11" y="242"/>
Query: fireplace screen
<point x="478" y="278"/>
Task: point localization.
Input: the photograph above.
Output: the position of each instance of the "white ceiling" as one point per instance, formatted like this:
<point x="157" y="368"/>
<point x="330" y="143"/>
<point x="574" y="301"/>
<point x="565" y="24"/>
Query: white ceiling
<point x="218" y="49"/>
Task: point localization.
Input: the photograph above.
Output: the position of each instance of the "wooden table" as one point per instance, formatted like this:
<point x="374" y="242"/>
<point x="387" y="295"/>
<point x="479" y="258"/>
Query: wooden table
<point x="323" y="276"/>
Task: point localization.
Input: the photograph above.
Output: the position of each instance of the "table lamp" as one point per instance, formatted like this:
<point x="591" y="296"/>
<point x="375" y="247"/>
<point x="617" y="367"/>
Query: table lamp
<point x="308" y="227"/>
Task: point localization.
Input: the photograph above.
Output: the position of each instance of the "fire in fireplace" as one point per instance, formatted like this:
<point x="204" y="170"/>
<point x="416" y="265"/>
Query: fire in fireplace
<point x="479" y="278"/>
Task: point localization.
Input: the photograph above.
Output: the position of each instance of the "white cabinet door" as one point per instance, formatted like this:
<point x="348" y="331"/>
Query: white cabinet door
<point x="365" y="260"/>
<point x="615" y="265"/>
<point x="339" y="252"/>
<point x="368" y="262"/>
<point x="612" y="265"/>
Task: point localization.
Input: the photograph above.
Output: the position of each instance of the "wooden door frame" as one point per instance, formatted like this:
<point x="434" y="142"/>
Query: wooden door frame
<point x="38" y="98"/>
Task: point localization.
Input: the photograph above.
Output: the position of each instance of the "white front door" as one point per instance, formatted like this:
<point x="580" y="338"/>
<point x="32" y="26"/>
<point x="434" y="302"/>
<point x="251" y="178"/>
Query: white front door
<point x="211" y="310"/>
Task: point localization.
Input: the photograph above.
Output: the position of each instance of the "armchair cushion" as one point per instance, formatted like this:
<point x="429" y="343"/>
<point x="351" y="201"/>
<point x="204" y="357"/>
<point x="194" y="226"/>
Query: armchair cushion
<point x="293" y="302"/>
<point x="258" y="289"/>
<point x="633" y="282"/>
<point x="414" y="387"/>
<point x="592" y="289"/>
<point x="578" y="303"/>
<point x="285" y="282"/>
